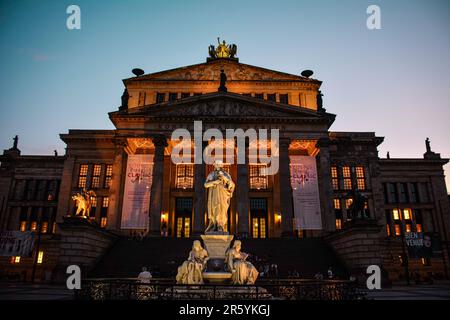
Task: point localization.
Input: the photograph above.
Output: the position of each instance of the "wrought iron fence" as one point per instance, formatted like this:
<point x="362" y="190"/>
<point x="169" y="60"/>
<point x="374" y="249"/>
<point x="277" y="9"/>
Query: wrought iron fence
<point x="167" y="289"/>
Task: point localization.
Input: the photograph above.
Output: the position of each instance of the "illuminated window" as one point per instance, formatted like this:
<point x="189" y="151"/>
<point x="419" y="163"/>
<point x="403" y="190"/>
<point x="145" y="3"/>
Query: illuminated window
<point x="105" y="202"/>
<point x="398" y="231"/>
<point x="103" y="222"/>
<point x="82" y="176"/>
<point x="23" y="226"/>
<point x="338" y="224"/>
<point x="284" y="98"/>
<point x="396" y="214"/>
<point x="360" y="178"/>
<point x="408" y="228"/>
<point x="15" y="259"/>
<point x="426" y="261"/>
<point x="388" y="230"/>
<point x="255" y="227"/>
<point x="108" y="175"/>
<point x="40" y="257"/>
<point x="93" y="206"/>
<point x="258" y="176"/>
<point x="54" y="227"/>
<point x="419" y="227"/>
<point x="187" y="227"/>
<point x="348" y="203"/>
<point x="44" y="228"/>
<point x="334" y="178"/>
<point x="407" y="214"/>
<point x="337" y="203"/>
<point x="262" y="228"/>
<point x="33" y="226"/>
<point x="346" y="174"/>
<point x="96" y="176"/>
<point x="185" y="176"/>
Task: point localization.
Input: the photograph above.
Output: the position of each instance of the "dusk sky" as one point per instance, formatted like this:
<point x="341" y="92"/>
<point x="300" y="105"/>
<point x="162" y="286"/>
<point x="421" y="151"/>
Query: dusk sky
<point x="394" y="81"/>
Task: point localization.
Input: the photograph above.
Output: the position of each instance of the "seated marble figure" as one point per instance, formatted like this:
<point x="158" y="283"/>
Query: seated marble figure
<point x="243" y="271"/>
<point x="191" y="271"/>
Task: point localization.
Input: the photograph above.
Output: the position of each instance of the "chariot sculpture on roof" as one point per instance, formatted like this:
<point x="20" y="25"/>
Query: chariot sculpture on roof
<point x="223" y="50"/>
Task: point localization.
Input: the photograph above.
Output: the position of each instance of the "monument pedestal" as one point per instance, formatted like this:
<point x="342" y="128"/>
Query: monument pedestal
<point x="216" y="244"/>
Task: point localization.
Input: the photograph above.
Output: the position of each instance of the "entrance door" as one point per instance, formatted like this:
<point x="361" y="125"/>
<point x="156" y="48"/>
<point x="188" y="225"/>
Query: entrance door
<point x="258" y="216"/>
<point x="183" y="217"/>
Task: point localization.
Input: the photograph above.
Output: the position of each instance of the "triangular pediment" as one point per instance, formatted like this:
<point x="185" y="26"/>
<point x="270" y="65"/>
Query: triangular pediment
<point x="224" y="105"/>
<point x="210" y="71"/>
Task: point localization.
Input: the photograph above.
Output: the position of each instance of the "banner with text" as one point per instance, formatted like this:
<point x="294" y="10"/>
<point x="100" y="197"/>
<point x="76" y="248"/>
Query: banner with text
<point x="16" y="243"/>
<point x="305" y="193"/>
<point x="136" y="198"/>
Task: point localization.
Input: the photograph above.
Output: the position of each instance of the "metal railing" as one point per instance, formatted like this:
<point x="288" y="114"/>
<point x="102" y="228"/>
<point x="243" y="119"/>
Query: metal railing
<point x="167" y="289"/>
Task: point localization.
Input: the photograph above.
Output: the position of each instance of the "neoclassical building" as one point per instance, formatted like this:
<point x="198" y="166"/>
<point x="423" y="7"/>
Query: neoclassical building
<point x="138" y="188"/>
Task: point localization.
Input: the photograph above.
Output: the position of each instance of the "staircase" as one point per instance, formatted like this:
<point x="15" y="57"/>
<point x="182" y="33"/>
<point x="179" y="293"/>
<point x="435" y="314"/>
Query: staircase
<point x="164" y="255"/>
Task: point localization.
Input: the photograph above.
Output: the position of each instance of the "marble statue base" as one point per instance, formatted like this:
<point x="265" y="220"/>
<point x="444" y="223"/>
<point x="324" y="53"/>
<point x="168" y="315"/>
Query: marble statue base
<point x="217" y="244"/>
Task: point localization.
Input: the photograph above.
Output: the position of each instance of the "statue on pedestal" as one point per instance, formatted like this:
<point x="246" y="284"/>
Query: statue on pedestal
<point x="84" y="202"/>
<point x="220" y="188"/>
<point x="191" y="271"/>
<point x="243" y="272"/>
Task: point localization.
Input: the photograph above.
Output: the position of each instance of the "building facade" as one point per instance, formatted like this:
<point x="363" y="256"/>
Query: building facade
<point x="400" y="195"/>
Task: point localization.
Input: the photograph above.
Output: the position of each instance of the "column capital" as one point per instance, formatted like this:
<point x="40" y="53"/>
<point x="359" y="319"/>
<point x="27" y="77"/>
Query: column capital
<point x="285" y="142"/>
<point x="159" y="141"/>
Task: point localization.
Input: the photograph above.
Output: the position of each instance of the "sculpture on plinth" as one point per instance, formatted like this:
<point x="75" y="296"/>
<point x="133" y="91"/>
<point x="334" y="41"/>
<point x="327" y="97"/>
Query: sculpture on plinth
<point x="220" y="189"/>
<point x="243" y="271"/>
<point x="84" y="201"/>
<point x="191" y="271"/>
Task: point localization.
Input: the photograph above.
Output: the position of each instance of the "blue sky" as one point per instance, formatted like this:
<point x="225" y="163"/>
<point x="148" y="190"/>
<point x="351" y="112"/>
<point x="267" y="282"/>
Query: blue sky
<point x="394" y="81"/>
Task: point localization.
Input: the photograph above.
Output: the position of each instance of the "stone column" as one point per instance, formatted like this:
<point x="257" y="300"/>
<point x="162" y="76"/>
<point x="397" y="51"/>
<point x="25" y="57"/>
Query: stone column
<point x="115" y="188"/>
<point x="242" y="197"/>
<point x="199" y="197"/>
<point x="156" y="199"/>
<point x="65" y="190"/>
<point x="287" y="211"/>
<point x="325" y="185"/>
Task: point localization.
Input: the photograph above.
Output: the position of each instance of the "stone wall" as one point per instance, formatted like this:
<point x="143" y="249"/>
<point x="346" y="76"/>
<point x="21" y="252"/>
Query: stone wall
<point x="357" y="246"/>
<point x="82" y="243"/>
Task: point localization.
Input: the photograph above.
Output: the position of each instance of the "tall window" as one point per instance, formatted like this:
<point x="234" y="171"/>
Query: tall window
<point x="403" y="193"/>
<point x="82" y="176"/>
<point x="52" y="190"/>
<point x="338" y="212"/>
<point x="334" y="178"/>
<point x="388" y="223"/>
<point x="258" y="176"/>
<point x="173" y="96"/>
<point x="108" y="175"/>
<point x="40" y="258"/>
<point x="41" y="189"/>
<point x="185" y="95"/>
<point x="96" y="176"/>
<point x="284" y="98"/>
<point x="160" y="97"/>
<point x="392" y="192"/>
<point x="29" y="189"/>
<point x="346" y="174"/>
<point x="94" y="207"/>
<point x="185" y="176"/>
<point x="272" y="97"/>
<point x="104" y="212"/>
<point x="360" y="178"/>
<point x="414" y="192"/>
<point x="259" y="95"/>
